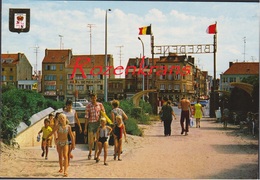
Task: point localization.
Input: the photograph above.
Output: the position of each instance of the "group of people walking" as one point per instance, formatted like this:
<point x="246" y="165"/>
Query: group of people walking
<point x="167" y="114"/>
<point x="62" y="128"/>
<point x="96" y="128"/>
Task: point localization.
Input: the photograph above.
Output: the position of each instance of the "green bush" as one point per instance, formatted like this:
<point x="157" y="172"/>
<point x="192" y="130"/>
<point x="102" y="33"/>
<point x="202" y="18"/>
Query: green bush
<point x="132" y="127"/>
<point x="136" y="112"/>
<point x="146" y="107"/>
<point x="145" y="119"/>
<point x="18" y="105"/>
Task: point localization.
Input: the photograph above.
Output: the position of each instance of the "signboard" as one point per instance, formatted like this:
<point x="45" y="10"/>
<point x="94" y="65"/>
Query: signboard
<point x="184" y="49"/>
<point x="19" y="20"/>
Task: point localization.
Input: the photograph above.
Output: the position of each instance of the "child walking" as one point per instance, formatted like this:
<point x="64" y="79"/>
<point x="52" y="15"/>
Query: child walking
<point x="46" y="130"/>
<point x="52" y="124"/>
<point x="118" y="132"/>
<point x="63" y="129"/>
<point x="103" y="132"/>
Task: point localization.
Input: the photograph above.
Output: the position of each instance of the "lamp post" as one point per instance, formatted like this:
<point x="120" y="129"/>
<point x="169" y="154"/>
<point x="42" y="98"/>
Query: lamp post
<point x="105" y="78"/>
<point x="143" y="62"/>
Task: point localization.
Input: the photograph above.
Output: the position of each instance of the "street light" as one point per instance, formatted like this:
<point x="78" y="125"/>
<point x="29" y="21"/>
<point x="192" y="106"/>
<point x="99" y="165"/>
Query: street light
<point x="143" y="62"/>
<point x="105" y="78"/>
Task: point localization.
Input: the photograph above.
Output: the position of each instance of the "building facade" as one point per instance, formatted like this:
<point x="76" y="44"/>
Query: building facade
<point x="15" y="67"/>
<point x="236" y="72"/>
<point x="68" y="76"/>
<point x="174" y="76"/>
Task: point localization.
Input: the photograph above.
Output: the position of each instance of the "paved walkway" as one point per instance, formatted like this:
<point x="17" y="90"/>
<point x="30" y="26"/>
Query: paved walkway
<point x="209" y="152"/>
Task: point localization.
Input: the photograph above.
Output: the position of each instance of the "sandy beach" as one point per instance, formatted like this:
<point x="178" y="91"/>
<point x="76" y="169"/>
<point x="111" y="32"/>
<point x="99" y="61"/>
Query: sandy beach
<point x="209" y="152"/>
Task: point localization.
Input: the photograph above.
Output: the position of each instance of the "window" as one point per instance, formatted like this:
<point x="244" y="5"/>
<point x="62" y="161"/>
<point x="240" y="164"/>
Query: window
<point x="50" y="67"/>
<point x="11" y="78"/>
<point x="169" y="87"/>
<point x="11" y="69"/>
<point x="90" y="88"/>
<point x="61" y="67"/>
<point x="177" y="87"/>
<point x="99" y="87"/>
<point x="70" y="87"/>
<point x="3" y="69"/>
<point x="50" y="78"/>
<point x="162" y="77"/>
<point x="80" y="87"/>
<point x="89" y="76"/>
<point x="79" y="76"/>
<point x="61" y="77"/>
<point x="28" y="87"/>
<point x="170" y="77"/>
<point x="162" y="87"/>
<point x="177" y="76"/>
<point x="4" y="78"/>
<point x="50" y="88"/>
<point x="232" y="79"/>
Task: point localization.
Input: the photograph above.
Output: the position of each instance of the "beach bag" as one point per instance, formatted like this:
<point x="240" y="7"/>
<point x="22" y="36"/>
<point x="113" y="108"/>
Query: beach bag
<point x="191" y="122"/>
<point x="38" y="138"/>
<point x="111" y="140"/>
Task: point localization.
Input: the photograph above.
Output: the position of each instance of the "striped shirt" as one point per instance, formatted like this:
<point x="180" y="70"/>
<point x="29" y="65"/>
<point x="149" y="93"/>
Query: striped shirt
<point x="93" y="111"/>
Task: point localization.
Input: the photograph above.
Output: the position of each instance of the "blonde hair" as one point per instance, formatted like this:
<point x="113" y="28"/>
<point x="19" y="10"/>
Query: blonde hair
<point x="103" y="119"/>
<point x="63" y="115"/>
<point x="118" y="117"/>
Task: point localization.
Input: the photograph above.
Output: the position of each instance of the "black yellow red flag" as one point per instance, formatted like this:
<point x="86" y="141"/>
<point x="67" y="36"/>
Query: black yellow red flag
<point x="147" y="30"/>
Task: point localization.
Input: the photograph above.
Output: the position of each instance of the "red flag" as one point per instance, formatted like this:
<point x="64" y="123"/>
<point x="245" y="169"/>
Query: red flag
<point x="212" y="29"/>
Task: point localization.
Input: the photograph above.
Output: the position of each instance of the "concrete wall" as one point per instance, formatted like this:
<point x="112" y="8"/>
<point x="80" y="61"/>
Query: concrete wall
<point x="27" y="135"/>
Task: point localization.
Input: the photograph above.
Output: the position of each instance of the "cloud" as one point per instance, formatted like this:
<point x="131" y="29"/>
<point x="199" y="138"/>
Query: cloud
<point x="173" y="23"/>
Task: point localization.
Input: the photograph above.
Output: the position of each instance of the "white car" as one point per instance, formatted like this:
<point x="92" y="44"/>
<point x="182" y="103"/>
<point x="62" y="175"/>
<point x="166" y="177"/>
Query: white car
<point x="78" y="106"/>
<point x="83" y="101"/>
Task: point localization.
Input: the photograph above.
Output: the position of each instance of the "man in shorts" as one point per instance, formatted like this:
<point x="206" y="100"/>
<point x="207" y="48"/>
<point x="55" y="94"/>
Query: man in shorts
<point x="185" y="107"/>
<point x="93" y="113"/>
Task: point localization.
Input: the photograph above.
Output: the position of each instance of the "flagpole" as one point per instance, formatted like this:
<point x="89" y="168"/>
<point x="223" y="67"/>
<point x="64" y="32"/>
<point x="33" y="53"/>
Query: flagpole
<point x="153" y="95"/>
<point x="215" y="59"/>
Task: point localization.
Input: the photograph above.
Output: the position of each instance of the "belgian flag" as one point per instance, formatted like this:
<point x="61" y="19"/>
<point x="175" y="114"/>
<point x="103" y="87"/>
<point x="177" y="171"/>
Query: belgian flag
<point x="147" y="30"/>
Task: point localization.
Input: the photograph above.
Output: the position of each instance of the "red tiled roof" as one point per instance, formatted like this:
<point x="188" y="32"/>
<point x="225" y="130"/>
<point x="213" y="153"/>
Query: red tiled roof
<point x="56" y="56"/>
<point x="14" y="57"/>
<point x="250" y="68"/>
<point x="96" y="60"/>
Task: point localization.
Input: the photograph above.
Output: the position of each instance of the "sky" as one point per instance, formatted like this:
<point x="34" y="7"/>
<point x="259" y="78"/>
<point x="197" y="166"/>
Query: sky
<point x="173" y="23"/>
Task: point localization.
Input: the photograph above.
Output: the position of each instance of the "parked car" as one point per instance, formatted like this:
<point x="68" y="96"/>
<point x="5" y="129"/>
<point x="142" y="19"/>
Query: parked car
<point x="204" y="103"/>
<point x="78" y="106"/>
<point x="83" y="101"/>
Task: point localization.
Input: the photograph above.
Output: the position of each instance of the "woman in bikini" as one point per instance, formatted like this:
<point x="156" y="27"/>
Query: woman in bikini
<point x="63" y="129"/>
<point x="118" y="132"/>
<point x="103" y="132"/>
